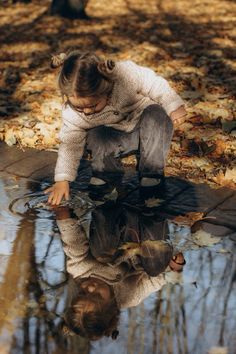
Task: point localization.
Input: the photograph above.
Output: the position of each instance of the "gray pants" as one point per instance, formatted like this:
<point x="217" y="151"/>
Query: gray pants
<point x="150" y="140"/>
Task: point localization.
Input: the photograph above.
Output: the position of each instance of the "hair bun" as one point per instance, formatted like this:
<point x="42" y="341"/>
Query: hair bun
<point x="106" y="67"/>
<point x="114" y="334"/>
<point x="58" y="60"/>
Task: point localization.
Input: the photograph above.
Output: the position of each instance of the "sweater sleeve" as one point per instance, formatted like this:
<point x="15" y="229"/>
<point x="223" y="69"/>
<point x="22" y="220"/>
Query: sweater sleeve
<point x="147" y="82"/>
<point x="70" y="151"/>
<point x="79" y="261"/>
<point x="76" y="247"/>
<point x="135" y="288"/>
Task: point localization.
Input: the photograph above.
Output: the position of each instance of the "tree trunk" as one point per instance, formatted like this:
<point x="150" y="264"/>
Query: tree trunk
<point x="69" y="8"/>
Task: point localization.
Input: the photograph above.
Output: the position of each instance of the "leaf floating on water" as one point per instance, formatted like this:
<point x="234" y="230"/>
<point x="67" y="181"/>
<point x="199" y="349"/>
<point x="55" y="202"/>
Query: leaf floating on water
<point x="188" y="219"/>
<point x="97" y="181"/>
<point x="111" y="196"/>
<point x="203" y="238"/>
<point x="153" y="202"/>
<point x="128" y="246"/>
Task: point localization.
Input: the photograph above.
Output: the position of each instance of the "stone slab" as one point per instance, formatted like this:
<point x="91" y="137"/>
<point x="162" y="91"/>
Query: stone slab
<point x="30" y="163"/>
<point x="10" y="155"/>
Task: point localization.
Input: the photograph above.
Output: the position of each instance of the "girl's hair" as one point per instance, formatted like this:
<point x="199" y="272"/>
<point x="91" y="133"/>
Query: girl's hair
<point x="101" y="321"/>
<point x="83" y="74"/>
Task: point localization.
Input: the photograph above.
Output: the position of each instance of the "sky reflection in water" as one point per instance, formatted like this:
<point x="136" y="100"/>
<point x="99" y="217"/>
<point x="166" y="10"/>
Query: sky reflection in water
<point x="190" y="317"/>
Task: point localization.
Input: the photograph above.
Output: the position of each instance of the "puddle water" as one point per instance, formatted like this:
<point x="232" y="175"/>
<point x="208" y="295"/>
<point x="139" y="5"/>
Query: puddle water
<point x="194" y="312"/>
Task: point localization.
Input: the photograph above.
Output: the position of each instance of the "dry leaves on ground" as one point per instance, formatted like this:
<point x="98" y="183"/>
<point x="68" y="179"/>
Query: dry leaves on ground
<point x="192" y="44"/>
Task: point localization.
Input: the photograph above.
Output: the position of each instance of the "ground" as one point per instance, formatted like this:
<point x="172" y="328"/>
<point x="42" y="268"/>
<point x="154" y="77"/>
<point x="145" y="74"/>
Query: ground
<point x="190" y="43"/>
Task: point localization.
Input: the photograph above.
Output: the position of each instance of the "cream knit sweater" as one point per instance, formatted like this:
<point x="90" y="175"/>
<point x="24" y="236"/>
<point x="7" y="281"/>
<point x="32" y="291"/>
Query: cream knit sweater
<point x="130" y="287"/>
<point x="135" y="88"/>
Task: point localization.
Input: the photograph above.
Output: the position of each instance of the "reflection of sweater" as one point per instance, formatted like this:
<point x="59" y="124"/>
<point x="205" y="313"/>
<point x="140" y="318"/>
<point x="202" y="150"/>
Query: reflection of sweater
<point x="135" y="87"/>
<point x="130" y="287"/>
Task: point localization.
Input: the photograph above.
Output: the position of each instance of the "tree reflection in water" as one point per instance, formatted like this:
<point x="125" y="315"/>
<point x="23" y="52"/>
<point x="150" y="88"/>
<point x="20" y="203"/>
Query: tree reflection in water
<point x="189" y="317"/>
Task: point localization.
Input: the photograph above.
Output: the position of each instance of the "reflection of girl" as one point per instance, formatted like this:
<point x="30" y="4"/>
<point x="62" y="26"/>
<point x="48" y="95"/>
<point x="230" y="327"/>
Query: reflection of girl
<point x="114" y="109"/>
<point x="100" y="290"/>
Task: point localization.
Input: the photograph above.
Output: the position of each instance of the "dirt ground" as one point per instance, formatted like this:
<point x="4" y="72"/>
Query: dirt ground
<point x="190" y="43"/>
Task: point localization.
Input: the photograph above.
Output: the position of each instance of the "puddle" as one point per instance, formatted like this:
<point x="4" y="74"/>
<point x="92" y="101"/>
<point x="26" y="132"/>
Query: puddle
<point x="194" y="312"/>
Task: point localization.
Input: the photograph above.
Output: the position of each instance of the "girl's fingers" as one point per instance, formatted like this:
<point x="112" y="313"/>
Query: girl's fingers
<point x="67" y="195"/>
<point x="54" y="199"/>
<point x="58" y="198"/>
<point x="50" y="189"/>
<point x="51" y="196"/>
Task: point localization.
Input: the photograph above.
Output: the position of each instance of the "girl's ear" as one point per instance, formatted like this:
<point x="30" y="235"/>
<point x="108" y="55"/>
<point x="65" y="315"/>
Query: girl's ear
<point x="57" y="60"/>
<point x="106" y="67"/>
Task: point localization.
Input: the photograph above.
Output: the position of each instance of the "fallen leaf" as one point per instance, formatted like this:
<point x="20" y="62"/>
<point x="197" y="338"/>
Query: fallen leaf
<point x="111" y="196"/>
<point x="153" y="202"/>
<point x="97" y="181"/>
<point x="221" y="179"/>
<point x="10" y="137"/>
<point x="200" y="148"/>
<point x="129" y="161"/>
<point x="188" y="219"/>
<point x="220" y="147"/>
<point x="230" y="174"/>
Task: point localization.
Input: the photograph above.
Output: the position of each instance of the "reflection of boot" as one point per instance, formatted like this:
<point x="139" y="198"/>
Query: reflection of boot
<point x="149" y="182"/>
<point x="102" y="183"/>
<point x="152" y="187"/>
<point x="97" y="188"/>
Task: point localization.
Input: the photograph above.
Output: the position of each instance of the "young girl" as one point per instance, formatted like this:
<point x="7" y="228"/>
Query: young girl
<point x="112" y="108"/>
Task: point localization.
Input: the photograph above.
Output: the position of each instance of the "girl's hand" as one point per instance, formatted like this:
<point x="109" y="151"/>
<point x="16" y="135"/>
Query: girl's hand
<point x="178" y="121"/>
<point x="57" y="192"/>
<point x="178" y="116"/>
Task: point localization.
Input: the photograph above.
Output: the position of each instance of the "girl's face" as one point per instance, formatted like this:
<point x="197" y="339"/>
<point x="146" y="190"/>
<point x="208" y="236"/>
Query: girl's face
<point x="88" y="105"/>
<point x="95" y="286"/>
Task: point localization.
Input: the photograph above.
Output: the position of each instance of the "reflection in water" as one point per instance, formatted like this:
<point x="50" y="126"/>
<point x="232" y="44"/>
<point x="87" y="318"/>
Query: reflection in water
<point x="193" y="312"/>
<point x="32" y="290"/>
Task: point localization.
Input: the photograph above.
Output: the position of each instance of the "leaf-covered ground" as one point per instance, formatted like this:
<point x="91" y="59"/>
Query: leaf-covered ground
<point x="191" y="43"/>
